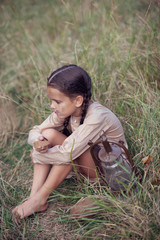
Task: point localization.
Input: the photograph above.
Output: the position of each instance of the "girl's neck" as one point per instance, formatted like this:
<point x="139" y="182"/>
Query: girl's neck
<point x="77" y="113"/>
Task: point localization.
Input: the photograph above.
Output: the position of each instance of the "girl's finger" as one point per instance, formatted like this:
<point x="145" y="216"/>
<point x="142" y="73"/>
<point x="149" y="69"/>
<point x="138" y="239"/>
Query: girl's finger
<point x="41" y="138"/>
<point x="44" y="150"/>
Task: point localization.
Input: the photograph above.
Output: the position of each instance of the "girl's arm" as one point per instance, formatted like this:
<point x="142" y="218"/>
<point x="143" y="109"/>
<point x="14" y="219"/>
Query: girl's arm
<point x="93" y="127"/>
<point x="52" y="121"/>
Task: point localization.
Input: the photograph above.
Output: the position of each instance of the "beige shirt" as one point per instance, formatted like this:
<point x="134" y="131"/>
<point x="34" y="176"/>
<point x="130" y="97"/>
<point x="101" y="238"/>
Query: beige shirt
<point x="98" y="120"/>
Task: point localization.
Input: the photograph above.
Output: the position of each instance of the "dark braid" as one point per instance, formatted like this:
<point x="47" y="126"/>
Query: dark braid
<point x="85" y="105"/>
<point x="65" y="124"/>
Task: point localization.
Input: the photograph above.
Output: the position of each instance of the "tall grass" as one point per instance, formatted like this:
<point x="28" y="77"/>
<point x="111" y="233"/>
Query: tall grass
<point x="117" y="43"/>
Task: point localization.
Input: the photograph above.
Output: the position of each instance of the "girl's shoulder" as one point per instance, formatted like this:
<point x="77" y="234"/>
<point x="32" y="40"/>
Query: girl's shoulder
<point x="97" y="109"/>
<point x="98" y="113"/>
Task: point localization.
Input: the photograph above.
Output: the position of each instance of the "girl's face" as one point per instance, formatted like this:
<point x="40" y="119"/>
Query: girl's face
<point x="62" y="105"/>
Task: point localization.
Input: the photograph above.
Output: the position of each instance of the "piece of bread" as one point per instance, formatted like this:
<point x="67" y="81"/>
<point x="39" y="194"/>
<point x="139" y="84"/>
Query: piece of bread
<point x="41" y="145"/>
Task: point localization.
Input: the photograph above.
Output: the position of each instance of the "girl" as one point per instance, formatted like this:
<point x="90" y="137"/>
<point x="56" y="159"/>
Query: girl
<point x="75" y="120"/>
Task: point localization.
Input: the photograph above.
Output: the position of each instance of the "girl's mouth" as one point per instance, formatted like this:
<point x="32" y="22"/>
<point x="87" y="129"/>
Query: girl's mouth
<point x="58" y="113"/>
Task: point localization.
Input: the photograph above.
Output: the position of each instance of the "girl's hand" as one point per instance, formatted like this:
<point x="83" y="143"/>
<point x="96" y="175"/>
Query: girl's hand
<point x="41" y="145"/>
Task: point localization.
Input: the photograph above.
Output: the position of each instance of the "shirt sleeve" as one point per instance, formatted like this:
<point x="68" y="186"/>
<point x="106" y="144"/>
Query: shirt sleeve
<point x="77" y="142"/>
<point x="51" y="122"/>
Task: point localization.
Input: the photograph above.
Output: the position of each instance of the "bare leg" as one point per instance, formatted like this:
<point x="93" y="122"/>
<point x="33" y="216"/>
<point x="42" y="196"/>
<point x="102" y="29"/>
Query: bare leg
<point x="86" y="165"/>
<point x="38" y="202"/>
<point x="41" y="171"/>
<point x="39" y="177"/>
<point x="56" y="175"/>
<point x="51" y="179"/>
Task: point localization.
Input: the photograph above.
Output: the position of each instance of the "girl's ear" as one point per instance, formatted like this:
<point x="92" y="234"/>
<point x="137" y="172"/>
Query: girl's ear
<point x="79" y="101"/>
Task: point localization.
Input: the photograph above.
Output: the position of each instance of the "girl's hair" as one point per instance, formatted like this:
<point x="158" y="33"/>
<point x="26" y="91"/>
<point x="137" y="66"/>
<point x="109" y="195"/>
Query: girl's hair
<point x="72" y="80"/>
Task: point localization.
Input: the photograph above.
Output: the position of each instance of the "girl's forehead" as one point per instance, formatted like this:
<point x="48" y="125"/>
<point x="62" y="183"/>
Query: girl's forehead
<point x="55" y="93"/>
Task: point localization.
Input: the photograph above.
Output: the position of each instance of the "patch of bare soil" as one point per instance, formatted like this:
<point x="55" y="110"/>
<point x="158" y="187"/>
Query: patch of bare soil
<point x="53" y="226"/>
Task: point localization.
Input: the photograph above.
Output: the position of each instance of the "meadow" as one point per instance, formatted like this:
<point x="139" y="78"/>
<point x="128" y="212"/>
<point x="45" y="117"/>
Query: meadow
<point x="117" y="42"/>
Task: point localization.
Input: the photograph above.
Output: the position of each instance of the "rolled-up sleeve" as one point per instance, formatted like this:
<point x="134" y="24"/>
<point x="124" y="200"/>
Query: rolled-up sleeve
<point x="51" y="122"/>
<point x="99" y="120"/>
<point x="76" y="143"/>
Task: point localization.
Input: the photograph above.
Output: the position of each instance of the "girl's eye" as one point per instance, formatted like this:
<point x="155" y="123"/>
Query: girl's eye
<point x="56" y="101"/>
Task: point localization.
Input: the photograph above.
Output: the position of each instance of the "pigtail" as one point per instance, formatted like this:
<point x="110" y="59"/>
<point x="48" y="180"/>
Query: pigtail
<point x="65" y="124"/>
<point x="85" y="105"/>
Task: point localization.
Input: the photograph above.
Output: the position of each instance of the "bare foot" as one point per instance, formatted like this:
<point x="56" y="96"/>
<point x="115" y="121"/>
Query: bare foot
<point x="33" y="192"/>
<point x="29" y="207"/>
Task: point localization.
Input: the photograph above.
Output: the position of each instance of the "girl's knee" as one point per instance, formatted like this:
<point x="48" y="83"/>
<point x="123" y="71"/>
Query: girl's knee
<point x="53" y="136"/>
<point x="49" y="133"/>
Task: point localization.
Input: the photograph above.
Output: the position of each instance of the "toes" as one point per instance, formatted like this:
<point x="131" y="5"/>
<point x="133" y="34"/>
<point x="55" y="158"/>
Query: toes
<point x="16" y="216"/>
<point x="14" y="210"/>
<point x="26" y="209"/>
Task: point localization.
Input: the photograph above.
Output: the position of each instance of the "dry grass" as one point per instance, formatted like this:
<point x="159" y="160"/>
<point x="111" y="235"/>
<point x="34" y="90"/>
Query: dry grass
<point x="117" y="43"/>
<point x="9" y="122"/>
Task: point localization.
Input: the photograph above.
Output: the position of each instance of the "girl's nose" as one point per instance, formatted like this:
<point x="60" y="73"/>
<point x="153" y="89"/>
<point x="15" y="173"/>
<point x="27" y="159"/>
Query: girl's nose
<point x="52" y="106"/>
